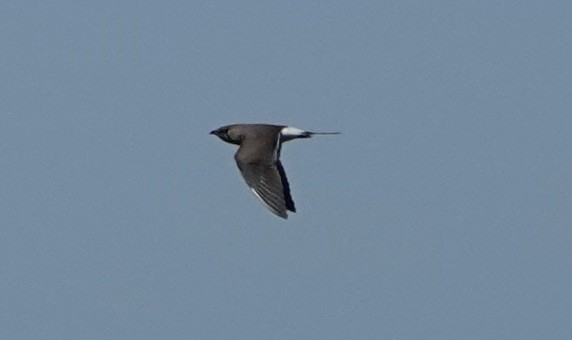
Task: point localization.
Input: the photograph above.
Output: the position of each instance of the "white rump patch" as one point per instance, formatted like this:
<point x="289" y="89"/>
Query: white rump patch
<point x="291" y="131"/>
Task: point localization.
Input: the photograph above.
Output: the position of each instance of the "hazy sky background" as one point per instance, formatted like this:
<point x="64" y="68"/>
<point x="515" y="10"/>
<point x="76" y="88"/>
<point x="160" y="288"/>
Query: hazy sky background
<point x="443" y="211"/>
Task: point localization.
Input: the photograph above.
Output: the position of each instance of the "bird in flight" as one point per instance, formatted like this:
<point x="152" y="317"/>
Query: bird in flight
<point x="258" y="159"/>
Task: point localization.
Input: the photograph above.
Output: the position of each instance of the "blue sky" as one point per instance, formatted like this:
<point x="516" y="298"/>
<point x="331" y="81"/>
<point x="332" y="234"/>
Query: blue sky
<point x="441" y="212"/>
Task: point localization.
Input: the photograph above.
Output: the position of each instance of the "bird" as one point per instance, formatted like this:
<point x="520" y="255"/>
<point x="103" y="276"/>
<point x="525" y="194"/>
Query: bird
<point x="258" y="159"/>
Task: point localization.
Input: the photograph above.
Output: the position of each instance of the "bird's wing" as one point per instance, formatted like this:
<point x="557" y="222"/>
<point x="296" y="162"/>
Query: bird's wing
<point x="268" y="182"/>
<point x="286" y="187"/>
<point x="265" y="176"/>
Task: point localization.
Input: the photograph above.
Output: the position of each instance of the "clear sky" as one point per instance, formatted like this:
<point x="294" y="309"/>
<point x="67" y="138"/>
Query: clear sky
<point x="442" y="211"/>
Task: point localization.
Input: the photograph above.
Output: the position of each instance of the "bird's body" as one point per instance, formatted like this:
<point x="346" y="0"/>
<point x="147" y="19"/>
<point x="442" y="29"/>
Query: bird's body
<point x="258" y="159"/>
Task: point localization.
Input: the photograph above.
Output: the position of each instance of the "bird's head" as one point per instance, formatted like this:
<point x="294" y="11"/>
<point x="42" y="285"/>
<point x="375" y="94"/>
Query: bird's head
<point x="229" y="134"/>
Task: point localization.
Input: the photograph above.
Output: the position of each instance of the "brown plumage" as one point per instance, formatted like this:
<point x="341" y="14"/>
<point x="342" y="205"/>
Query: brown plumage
<point x="258" y="159"/>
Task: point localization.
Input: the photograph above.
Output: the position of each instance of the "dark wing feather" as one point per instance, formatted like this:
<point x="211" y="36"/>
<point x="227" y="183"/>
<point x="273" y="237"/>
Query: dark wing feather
<point x="267" y="184"/>
<point x="257" y="159"/>
<point x="286" y="187"/>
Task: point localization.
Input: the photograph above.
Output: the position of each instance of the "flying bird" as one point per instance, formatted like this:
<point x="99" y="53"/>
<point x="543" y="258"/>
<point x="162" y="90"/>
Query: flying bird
<point x="258" y="159"/>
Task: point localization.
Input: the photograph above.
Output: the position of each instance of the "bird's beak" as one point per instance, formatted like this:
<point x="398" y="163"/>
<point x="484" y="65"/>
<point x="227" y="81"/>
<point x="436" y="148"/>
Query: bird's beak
<point x="213" y="132"/>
